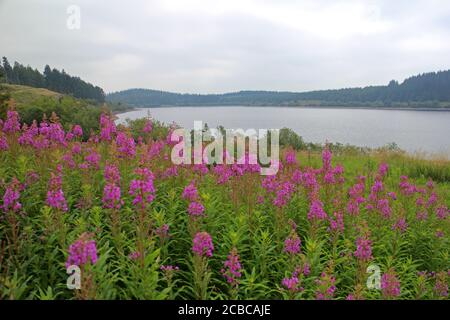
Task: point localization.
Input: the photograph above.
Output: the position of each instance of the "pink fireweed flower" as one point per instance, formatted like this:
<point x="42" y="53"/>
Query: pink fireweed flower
<point x="232" y="268"/>
<point x="155" y="149"/>
<point x="171" y="172"/>
<point x="69" y="136"/>
<point x="316" y="211"/>
<point x="326" y="159"/>
<point x="223" y="173"/>
<point x="76" y="148"/>
<point x="142" y="189"/>
<point x="3" y="143"/>
<point x="125" y="145"/>
<point x="162" y="231"/>
<point x="406" y="188"/>
<point x="28" y="133"/>
<point x="248" y="163"/>
<point x="196" y="209"/>
<point x="337" y="174"/>
<point x="111" y="192"/>
<point x="270" y="183"/>
<point x="441" y="286"/>
<point x="338" y="169"/>
<point x="56" y="200"/>
<point x="111" y="174"/>
<point x="291" y="283"/>
<point x="92" y="159"/>
<point x="297" y="177"/>
<point x="107" y="128"/>
<point x="148" y="126"/>
<point x="442" y="212"/>
<point x="12" y="122"/>
<point x="203" y="245"/>
<point x="134" y="255"/>
<point x="353" y="208"/>
<point x="175" y="140"/>
<point x="55" y="194"/>
<point x="390" y="285"/>
<point x="200" y="168"/>
<point x="169" y="268"/>
<point x="383" y="170"/>
<point x="55" y="134"/>
<point x="357" y="191"/>
<point x="11" y="197"/>
<point x="111" y="197"/>
<point x="190" y="192"/>
<point x="306" y="269"/>
<point x="283" y="194"/>
<point x="310" y="181"/>
<point x="384" y="208"/>
<point x="291" y="157"/>
<point x="77" y="131"/>
<point x="422" y="215"/>
<point x="431" y="200"/>
<point x="420" y="202"/>
<point x="336" y="223"/>
<point x="31" y="178"/>
<point x="292" y="244"/>
<point x="326" y="287"/>
<point x="363" y="249"/>
<point x="68" y="161"/>
<point x="375" y="190"/>
<point x="93" y="138"/>
<point x="328" y="178"/>
<point x="260" y="199"/>
<point x="400" y="225"/>
<point x="82" y="251"/>
<point x="439" y="233"/>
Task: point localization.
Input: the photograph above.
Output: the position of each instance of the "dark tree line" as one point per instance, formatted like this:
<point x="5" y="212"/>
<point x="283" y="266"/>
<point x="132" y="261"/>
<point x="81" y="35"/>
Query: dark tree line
<point x="52" y="79"/>
<point x="425" y="89"/>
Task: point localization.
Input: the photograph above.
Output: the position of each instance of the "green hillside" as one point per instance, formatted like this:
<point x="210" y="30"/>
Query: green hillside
<point x="428" y="90"/>
<point x="24" y="95"/>
<point x="39" y="103"/>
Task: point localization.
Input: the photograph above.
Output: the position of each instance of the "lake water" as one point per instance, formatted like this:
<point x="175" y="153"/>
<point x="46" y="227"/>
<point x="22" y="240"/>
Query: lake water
<point x="414" y="131"/>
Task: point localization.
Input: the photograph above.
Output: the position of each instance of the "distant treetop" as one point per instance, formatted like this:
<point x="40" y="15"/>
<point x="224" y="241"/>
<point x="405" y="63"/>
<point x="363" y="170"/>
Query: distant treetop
<point x="51" y="79"/>
<point x="428" y="88"/>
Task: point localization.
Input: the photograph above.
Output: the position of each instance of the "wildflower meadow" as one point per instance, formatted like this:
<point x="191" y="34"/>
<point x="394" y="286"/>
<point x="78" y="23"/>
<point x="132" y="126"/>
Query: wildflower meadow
<point x="116" y="211"/>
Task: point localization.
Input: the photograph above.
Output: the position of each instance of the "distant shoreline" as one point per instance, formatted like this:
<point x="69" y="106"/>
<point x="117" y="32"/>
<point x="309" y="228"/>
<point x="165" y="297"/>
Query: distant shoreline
<point x="431" y="109"/>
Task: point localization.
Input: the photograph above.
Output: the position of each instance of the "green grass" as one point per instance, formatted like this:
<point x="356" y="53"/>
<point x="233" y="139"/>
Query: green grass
<point x="24" y="95"/>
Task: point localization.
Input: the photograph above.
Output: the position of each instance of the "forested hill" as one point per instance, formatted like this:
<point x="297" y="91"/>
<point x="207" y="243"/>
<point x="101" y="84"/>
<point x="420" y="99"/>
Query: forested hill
<point x="425" y="90"/>
<point x="51" y="79"/>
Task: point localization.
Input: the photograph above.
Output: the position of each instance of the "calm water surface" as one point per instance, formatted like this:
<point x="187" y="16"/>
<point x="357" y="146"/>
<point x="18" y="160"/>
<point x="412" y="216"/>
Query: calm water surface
<point x="414" y="131"/>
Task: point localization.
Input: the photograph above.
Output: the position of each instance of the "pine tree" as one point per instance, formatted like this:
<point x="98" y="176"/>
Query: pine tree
<point x="8" y="70"/>
<point x="2" y="74"/>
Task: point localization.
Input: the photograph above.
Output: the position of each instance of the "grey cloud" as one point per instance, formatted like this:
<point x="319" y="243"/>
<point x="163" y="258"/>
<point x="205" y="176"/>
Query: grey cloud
<point x="218" y="46"/>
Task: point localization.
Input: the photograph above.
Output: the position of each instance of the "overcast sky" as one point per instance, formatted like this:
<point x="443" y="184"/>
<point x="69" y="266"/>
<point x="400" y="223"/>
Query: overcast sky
<point x="219" y="46"/>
